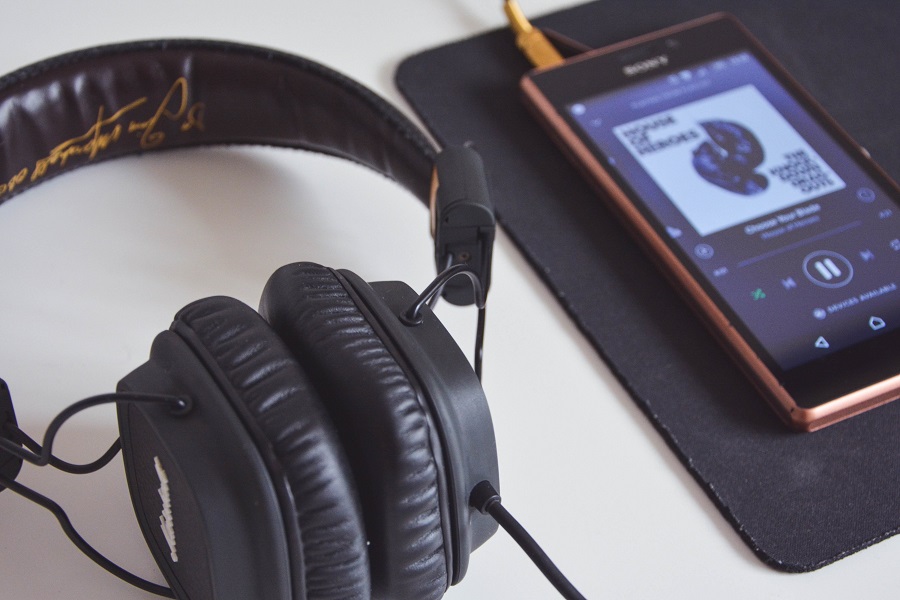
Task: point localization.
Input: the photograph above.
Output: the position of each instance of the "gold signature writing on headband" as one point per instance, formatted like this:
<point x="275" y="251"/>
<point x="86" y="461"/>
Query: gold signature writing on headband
<point x="108" y="130"/>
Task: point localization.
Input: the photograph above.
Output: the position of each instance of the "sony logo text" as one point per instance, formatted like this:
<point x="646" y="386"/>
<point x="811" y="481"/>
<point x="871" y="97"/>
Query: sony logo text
<point x="645" y="65"/>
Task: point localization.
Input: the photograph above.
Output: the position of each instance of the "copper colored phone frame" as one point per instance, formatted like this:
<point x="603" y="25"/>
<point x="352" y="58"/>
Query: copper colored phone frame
<point x="798" y="417"/>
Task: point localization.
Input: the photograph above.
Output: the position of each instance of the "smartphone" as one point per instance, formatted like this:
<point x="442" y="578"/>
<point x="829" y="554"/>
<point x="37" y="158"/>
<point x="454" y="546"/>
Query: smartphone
<point x="777" y="227"/>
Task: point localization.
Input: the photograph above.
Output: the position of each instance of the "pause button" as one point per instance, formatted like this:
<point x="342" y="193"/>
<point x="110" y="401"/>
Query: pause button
<point x="827" y="269"/>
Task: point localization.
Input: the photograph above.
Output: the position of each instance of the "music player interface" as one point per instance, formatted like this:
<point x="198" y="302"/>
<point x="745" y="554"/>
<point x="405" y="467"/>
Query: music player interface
<point x="799" y="242"/>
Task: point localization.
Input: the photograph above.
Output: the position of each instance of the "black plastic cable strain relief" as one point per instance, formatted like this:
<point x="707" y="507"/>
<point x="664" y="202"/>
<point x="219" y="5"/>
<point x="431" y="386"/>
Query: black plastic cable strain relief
<point x="483" y="497"/>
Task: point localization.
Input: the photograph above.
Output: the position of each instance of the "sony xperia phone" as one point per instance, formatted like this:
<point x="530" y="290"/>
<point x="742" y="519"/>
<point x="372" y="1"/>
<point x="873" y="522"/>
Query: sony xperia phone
<point x="779" y="229"/>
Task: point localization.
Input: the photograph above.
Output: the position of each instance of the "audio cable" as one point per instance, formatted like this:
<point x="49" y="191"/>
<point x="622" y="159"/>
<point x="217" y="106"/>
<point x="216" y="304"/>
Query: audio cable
<point x="413" y="315"/>
<point x="486" y="500"/>
<point x="12" y="439"/>
<point x="529" y="39"/>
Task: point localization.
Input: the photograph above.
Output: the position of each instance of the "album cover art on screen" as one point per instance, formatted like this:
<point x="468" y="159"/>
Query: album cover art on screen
<point x="727" y="159"/>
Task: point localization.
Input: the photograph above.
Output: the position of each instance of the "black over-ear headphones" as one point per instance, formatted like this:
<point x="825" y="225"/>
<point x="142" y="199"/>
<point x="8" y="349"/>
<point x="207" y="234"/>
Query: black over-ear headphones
<point x="327" y="446"/>
<point x="335" y="445"/>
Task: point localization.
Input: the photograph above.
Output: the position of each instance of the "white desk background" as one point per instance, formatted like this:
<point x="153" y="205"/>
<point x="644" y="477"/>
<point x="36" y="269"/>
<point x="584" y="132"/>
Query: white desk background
<point x="94" y="264"/>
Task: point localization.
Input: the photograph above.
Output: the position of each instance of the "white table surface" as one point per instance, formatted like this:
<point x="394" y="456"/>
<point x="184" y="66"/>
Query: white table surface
<point x="95" y="263"/>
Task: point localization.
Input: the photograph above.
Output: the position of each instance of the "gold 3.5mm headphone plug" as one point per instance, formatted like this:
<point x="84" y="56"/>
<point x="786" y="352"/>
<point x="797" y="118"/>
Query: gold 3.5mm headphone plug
<point x="533" y="44"/>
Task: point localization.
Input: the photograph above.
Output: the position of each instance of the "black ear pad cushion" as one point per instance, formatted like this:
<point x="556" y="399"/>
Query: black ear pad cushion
<point x="272" y="394"/>
<point x="385" y="430"/>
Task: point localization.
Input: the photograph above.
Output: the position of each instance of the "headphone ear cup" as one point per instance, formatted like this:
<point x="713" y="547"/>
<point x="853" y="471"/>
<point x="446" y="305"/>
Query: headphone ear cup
<point x="386" y="432"/>
<point x="275" y="399"/>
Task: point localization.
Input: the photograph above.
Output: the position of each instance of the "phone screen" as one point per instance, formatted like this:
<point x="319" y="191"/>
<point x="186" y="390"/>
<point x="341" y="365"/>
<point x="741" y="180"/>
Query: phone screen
<point x="797" y="240"/>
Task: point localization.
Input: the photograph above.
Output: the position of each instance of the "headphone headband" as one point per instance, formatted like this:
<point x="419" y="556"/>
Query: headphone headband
<point x="111" y="101"/>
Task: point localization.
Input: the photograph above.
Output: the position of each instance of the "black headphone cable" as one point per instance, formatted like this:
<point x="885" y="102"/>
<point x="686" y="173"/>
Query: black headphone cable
<point x="486" y="499"/>
<point x="80" y="543"/>
<point x="413" y="315"/>
<point x="42" y="455"/>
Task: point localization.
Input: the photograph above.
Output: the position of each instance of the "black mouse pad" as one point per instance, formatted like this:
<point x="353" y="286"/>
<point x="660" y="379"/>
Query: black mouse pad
<point x="800" y="501"/>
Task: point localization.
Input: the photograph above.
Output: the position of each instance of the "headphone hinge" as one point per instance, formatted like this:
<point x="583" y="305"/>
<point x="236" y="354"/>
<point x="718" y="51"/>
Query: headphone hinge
<point x="462" y="220"/>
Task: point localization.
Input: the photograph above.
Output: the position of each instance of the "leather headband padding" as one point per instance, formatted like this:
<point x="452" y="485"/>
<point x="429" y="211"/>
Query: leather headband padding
<point x="110" y="101"/>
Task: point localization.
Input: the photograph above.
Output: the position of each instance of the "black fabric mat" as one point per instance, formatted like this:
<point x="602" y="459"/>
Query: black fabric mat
<point x="800" y="501"/>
